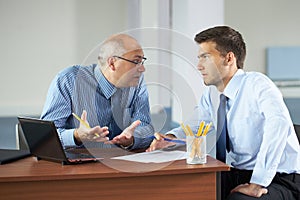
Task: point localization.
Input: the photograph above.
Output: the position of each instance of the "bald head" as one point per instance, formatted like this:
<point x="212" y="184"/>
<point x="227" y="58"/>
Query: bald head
<point x="117" y="45"/>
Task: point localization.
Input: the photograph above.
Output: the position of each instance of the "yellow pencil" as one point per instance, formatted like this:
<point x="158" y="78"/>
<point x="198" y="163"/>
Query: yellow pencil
<point x="189" y="130"/>
<point x="207" y="129"/>
<point x="84" y="123"/>
<point x="184" y="129"/>
<point x="81" y="121"/>
<point x="201" y="126"/>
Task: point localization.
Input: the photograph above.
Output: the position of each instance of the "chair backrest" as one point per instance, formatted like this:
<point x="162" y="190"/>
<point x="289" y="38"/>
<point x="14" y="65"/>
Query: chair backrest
<point x="297" y="129"/>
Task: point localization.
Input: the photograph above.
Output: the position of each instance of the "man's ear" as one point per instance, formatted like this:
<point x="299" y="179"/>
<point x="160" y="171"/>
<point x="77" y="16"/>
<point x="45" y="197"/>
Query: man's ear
<point x="111" y="63"/>
<point x="230" y="58"/>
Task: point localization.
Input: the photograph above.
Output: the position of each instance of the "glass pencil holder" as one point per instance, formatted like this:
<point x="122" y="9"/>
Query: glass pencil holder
<point x="196" y="149"/>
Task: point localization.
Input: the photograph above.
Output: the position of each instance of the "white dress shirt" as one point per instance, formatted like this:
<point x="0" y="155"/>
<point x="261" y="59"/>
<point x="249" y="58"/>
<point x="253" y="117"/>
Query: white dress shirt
<point x="261" y="133"/>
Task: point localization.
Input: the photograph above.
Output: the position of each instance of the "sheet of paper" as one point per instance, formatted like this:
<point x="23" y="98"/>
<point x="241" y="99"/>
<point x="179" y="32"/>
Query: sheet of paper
<point x="158" y="156"/>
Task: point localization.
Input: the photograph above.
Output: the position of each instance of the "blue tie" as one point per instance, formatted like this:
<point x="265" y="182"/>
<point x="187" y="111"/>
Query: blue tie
<point x="116" y="122"/>
<point x="223" y="141"/>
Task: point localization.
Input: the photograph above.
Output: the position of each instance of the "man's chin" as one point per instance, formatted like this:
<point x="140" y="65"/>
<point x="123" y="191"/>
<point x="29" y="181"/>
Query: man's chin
<point x="131" y="84"/>
<point x="135" y="81"/>
<point x="134" y="84"/>
<point x="206" y="83"/>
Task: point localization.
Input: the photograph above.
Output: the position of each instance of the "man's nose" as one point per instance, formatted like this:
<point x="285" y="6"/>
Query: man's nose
<point x="200" y="66"/>
<point x="141" y="68"/>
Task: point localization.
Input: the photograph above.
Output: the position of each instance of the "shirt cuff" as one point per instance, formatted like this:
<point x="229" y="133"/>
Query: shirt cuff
<point x="67" y="137"/>
<point x="262" y="177"/>
<point x="140" y="143"/>
<point x="127" y="147"/>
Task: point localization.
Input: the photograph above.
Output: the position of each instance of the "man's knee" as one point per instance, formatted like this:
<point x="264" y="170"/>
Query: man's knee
<point x="238" y="196"/>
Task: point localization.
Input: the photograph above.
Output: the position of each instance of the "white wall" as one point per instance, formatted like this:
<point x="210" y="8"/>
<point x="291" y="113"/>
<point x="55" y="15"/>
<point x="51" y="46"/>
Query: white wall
<point x="167" y="32"/>
<point x="189" y="18"/>
<point x="41" y="37"/>
<point x="263" y="24"/>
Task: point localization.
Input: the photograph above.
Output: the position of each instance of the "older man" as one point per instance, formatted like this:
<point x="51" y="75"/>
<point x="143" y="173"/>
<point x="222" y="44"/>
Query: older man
<point x="111" y="97"/>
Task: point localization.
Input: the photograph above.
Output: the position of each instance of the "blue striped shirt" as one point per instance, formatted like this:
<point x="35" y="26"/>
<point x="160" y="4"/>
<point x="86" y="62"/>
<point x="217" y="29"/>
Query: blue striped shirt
<point x="79" y="88"/>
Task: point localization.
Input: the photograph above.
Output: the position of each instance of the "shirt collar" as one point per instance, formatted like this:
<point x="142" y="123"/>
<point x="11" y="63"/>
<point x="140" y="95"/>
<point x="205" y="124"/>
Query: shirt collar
<point x="234" y="84"/>
<point x="106" y="87"/>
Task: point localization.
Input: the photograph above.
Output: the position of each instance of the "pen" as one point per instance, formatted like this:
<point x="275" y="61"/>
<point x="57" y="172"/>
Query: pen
<point x="169" y="140"/>
<point x="84" y="123"/>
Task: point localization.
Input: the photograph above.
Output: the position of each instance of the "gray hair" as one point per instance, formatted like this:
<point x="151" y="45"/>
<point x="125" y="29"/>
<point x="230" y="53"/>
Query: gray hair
<point x="112" y="47"/>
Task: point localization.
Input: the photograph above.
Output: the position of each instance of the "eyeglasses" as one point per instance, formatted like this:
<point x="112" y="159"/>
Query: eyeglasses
<point x="136" y="62"/>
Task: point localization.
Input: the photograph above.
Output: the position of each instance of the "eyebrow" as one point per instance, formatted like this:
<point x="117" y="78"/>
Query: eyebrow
<point x="203" y="54"/>
<point x="138" y="56"/>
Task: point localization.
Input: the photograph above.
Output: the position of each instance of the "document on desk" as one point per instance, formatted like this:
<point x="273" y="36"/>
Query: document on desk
<point x="158" y="156"/>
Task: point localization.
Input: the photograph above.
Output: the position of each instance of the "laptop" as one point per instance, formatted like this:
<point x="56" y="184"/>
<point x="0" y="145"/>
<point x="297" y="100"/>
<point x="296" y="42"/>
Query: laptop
<point x="44" y="143"/>
<point x="22" y="151"/>
<point x="10" y="155"/>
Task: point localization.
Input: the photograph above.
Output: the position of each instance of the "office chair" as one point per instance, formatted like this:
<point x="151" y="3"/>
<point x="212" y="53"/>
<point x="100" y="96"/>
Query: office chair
<point x="297" y="129"/>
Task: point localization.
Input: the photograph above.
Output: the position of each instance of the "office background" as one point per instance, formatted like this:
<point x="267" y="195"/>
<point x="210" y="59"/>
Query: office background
<point x="41" y="37"/>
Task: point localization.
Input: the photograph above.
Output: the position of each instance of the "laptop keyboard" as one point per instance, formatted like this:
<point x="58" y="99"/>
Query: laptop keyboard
<point x="71" y="155"/>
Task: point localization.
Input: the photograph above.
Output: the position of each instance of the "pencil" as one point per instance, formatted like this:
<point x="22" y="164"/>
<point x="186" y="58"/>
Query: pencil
<point x="81" y="121"/>
<point x="184" y="129"/>
<point x="84" y="123"/>
<point x="207" y="129"/>
<point x="189" y="130"/>
<point x="201" y="126"/>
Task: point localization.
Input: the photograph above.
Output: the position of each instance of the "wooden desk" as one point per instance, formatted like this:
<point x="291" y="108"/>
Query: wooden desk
<point x="32" y="179"/>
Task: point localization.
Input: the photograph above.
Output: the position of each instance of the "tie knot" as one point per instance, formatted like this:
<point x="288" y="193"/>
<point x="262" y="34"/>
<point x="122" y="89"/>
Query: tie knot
<point x="223" y="98"/>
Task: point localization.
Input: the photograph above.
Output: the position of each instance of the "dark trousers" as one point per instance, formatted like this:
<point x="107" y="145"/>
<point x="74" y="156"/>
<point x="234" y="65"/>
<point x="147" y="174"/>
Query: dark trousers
<point x="282" y="187"/>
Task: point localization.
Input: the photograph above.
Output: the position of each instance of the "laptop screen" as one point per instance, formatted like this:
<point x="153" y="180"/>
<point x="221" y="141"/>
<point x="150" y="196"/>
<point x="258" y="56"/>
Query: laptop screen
<point x="42" y="138"/>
